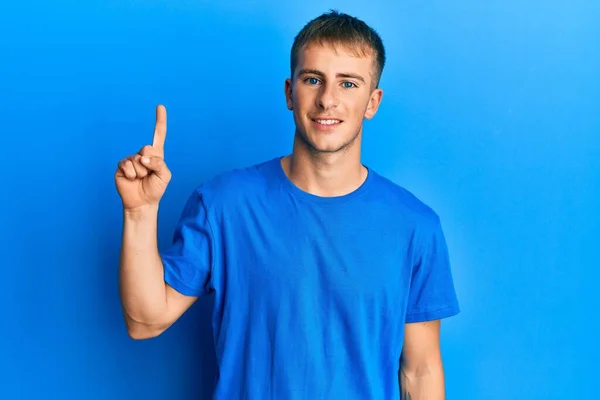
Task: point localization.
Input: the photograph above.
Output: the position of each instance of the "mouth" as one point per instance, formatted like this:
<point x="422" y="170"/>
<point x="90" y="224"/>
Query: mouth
<point x="327" y="121"/>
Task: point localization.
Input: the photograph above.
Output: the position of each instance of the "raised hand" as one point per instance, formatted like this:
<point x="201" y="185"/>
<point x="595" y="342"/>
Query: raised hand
<point x="142" y="178"/>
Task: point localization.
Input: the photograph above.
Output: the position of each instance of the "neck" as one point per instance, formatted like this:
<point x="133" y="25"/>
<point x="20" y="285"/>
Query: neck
<point x="325" y="174"/>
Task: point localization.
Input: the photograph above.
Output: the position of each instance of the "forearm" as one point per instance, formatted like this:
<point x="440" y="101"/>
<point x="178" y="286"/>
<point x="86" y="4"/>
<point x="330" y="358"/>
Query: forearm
<point x="425" y="383"/>
<point x="142" y="285"/>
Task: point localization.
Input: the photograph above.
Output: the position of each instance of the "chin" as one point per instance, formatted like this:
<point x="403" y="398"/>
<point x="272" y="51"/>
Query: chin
<point x="327" y="142"/>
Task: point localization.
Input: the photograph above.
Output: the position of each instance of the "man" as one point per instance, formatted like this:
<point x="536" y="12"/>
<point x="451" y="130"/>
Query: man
<point x="329" y="280"/>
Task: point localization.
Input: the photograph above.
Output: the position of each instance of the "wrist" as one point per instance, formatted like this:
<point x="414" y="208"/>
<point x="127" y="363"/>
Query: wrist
<point x="141" y="213"/>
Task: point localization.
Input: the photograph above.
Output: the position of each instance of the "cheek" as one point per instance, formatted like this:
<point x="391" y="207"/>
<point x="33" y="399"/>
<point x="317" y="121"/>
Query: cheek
<point x="358" y="110"/>
<point x="303" y="97"/>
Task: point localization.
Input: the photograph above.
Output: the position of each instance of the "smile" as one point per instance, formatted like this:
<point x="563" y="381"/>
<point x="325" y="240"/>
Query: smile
<point x="327" y="121"/>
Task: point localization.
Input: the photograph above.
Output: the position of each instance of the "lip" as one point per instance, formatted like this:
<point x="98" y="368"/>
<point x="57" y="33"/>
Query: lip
<point x="315" y="118"/>
<point x="324" y="128"/>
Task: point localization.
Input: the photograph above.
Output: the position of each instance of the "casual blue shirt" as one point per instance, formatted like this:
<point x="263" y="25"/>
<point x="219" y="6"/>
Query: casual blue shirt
<point x="311" y="293"/>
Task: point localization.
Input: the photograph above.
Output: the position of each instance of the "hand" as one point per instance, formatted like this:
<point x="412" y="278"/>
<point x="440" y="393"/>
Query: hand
<point x="142" y="178"/>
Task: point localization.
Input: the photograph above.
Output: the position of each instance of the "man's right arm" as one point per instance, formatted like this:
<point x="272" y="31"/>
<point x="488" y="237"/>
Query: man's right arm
<point x="150" y="306"/>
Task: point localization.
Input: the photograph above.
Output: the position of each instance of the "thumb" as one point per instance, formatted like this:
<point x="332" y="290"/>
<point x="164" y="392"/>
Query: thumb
<point x="158" y="166"/>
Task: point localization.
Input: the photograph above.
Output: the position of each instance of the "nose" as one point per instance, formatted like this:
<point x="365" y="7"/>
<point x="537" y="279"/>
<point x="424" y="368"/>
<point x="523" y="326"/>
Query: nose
<point x="327" y="97"/>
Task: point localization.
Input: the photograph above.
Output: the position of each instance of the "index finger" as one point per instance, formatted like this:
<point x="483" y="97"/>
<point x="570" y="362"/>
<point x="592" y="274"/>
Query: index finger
<point x="160" y="130"/>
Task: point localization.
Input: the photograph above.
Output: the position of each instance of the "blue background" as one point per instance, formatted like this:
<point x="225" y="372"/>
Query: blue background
<point x="491" y="114"/>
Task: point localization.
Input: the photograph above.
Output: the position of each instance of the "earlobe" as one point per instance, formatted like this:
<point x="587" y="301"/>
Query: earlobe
<point x="290" y="103"/>
<point x="373" y="105"/>
<point x="288" y="94"/>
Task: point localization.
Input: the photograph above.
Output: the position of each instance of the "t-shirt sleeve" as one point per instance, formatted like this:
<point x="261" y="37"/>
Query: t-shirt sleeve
<point x="432" y="293"/>
<point x="188" y="260"/>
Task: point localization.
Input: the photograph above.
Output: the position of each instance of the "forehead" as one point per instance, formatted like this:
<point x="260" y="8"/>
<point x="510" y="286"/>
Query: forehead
<point x="332" y="58"/>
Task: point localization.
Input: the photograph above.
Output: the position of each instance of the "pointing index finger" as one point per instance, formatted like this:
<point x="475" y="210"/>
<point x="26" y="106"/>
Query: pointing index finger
<point x="160" y="130"/>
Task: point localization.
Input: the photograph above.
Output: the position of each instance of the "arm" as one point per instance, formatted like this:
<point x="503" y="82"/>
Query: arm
<point x="432" y="297"/>
<point x="150" y="306"/>
<point x="421" y="374"/>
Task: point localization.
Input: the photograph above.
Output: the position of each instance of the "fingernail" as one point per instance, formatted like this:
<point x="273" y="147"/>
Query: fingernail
<point x="145" y="160"/>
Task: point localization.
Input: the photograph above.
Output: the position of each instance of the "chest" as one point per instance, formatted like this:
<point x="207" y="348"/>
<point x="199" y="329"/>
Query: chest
<point x="332" y="254"/>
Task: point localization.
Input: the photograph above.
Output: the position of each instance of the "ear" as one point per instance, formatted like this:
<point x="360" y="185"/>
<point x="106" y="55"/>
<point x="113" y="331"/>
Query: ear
<point x="374" y="103"/>
<point x="288" y="94"/>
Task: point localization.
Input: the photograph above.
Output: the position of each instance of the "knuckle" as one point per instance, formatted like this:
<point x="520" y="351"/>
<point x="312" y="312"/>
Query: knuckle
<point x="146" y="150"/>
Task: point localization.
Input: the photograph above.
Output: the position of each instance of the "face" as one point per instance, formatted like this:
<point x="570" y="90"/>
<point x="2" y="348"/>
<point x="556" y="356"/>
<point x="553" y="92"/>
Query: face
<point x="331" y="93"/>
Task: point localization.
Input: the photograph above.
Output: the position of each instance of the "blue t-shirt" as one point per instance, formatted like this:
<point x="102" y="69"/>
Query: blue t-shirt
<point x="311" y="293"/>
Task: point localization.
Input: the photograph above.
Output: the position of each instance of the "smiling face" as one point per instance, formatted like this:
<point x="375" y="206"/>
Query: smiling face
<point x="331" y="93"/>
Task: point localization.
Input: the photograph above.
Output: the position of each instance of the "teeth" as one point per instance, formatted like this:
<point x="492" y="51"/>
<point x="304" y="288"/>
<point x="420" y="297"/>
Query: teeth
<point x="328" y="121"/>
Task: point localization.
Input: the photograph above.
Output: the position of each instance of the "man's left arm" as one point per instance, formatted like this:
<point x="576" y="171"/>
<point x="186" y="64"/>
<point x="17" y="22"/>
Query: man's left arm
<point x="432" y="297"/>
<point x="421" y="374"/>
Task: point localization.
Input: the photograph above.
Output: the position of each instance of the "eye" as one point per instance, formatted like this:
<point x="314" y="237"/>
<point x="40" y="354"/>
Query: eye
<point x="311" y="81"/>
<point x="348" y="85"/>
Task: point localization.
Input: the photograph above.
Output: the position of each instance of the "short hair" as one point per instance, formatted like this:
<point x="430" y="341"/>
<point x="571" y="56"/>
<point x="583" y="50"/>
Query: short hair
<point x="339" y="28"/>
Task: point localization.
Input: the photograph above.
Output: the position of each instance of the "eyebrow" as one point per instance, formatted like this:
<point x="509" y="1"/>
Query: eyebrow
<point x="339" y="75"/>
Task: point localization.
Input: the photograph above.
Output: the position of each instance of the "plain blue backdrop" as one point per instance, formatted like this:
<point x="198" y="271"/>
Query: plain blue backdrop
<point x="490" y="115"/>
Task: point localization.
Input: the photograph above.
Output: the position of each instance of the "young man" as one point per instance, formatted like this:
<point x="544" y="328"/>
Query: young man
<point x="329" y="280"/>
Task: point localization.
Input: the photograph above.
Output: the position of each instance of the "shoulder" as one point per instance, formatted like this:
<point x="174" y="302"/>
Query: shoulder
<point x="412" y="214"/>
<point x="402" y="202"/>
<point x="234" y="185"/>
